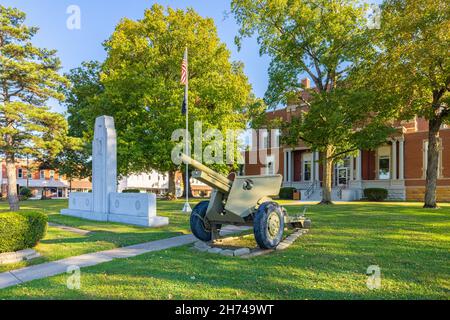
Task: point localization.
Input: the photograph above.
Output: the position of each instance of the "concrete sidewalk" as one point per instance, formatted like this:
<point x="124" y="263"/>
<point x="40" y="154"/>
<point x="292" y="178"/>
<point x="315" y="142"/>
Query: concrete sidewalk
<point x="44" y="270"/>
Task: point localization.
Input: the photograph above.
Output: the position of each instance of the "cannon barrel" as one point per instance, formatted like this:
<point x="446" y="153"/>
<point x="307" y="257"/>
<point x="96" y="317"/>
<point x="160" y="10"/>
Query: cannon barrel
<point x="208" y="176"/>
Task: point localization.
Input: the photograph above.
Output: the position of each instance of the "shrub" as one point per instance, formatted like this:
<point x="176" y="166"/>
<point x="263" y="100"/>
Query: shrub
<point x="131" y="191"/>
<point x="21" y="230"/>
<point x="25" y="193"/>
<point x="375" y="194"/>
<point x="170" y="196"/>
<point x="287" y="193"/>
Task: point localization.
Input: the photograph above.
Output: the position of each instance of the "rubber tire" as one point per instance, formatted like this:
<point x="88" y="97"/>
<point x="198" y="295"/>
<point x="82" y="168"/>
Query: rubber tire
<point x="197" y="226"/>
<point x="260" y="225"/>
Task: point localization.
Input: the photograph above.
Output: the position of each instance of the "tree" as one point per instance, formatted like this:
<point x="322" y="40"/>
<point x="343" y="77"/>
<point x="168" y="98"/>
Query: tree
<point x="142" y="91"/>
<point x="28" y="78"/>
<point x="414" y="67"/>
<point x="320" y="38"/>
<point x="73" y="162"/>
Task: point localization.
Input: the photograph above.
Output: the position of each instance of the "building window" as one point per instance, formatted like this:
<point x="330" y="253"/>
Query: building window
<point x="20" y="173"/>
<point x="384" y="168"/>
<point x="307" y="170"/>
<point x="307" y="167"/>
<point x="52" y="174"/>
<point x="42" y="174"/>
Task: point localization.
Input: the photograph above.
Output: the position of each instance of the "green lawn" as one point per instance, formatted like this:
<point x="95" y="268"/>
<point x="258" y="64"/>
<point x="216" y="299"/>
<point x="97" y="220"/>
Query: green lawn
<point x="410" y="245"/>
<point x="60" y="244"/>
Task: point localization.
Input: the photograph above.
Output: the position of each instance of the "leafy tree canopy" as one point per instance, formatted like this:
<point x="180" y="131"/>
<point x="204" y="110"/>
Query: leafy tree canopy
<point x="28" y="78"/>
<point x="139" y="85"/>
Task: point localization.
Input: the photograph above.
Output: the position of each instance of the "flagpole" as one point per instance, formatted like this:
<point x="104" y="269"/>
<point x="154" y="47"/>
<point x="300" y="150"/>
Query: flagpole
<point x="187" y="207"/>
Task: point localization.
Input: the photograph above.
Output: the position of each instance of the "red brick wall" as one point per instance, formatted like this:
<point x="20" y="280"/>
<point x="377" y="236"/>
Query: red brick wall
<point x="414" y="155"/>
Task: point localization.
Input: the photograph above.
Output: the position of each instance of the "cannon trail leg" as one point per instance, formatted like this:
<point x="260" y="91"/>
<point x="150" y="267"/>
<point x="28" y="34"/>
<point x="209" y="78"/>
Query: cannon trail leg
<point x="214" y="233"/>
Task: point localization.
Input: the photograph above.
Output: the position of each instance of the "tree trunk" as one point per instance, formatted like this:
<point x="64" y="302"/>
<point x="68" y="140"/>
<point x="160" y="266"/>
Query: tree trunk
<point x="189" y="185"/>
<point x="13" y="198"/>
<point x="327" y="175"/>
<point x="432" y="163"/>
<point x="172" y="183"/>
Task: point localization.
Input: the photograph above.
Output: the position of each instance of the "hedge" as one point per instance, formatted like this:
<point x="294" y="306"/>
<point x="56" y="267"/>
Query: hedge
<point x="131" y="191"/>
<point x="21" y="230"/>
<point x="287" y="193"/>
<point x="375" y="194"/>
<point x="25" y="193"/>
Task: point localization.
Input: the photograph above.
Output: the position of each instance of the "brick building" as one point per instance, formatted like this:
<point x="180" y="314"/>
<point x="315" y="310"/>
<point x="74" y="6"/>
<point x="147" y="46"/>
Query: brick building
<point x="398" y="166"/>
<point x="41" y="181"/>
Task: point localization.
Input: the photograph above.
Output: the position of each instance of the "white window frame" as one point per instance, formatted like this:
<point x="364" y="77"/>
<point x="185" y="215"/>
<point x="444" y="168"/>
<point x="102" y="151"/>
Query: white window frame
<point x="384" y="157"/>
<point x="52" y="174"/>
<point x="304" y="163"/>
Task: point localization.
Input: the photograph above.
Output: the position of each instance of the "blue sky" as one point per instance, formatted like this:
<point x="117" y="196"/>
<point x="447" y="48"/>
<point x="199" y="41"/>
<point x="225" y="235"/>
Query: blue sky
<point x="99" y="17"/>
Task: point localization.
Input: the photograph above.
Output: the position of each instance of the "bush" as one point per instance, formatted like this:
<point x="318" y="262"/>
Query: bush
<point x="21" y="230"/>
<point x="25" y="193"/>
<point x="287" y="193"/>
<point x="375" y="194"/>
<point x="170" y="196"/>
<point x="131" y="191"/>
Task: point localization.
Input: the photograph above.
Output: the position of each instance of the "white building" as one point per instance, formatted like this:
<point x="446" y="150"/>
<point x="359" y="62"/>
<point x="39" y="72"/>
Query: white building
<point x="159" y="183"/>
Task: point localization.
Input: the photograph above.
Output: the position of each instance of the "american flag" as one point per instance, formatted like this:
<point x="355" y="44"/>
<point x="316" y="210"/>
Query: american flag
<point x="184" y="69"/>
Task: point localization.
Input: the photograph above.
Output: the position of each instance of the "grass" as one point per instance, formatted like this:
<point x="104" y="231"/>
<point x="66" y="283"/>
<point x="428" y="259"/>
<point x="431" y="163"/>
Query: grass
<point x="411" y="245"/>
<point x="59" y="244"/>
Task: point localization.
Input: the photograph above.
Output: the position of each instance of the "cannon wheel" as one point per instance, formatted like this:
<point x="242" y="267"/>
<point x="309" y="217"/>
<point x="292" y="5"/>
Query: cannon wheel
<point x="199" y="227"/>
<point x="268" y="225"/>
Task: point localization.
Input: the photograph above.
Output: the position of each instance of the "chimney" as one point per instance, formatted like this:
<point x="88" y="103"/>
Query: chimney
<point x="306" y="83"/>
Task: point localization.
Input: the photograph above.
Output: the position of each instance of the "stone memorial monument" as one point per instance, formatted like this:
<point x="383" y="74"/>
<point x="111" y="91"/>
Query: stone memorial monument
<point x="105" y="203"/>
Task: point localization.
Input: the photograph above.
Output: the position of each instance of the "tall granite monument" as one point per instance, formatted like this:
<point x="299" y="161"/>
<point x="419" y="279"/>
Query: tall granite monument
<point x="105" y="203"/>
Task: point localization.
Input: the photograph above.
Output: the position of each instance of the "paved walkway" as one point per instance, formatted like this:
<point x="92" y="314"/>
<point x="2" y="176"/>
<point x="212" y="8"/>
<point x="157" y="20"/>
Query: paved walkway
<point x="44" y="270"/>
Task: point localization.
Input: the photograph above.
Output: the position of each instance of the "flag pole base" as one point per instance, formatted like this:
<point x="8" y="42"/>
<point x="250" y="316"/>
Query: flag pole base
<point x="187" y="207"/>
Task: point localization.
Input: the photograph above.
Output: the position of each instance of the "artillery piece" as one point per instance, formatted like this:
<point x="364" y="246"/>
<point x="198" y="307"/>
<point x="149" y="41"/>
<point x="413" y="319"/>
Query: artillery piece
<point x="243" y="202"/>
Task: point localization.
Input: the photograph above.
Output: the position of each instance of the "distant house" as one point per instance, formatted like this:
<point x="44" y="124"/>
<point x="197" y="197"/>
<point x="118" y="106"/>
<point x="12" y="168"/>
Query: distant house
<point x="159" y="183"/>
<point x="398" y="166"/>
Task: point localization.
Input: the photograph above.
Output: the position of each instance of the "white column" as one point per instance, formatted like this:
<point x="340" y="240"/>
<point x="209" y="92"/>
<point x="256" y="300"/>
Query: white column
<point x="352" y="161"/>
<point x="401" y="164"/>
<point x="316" y="166"/>
<point x="359" y="166"/>
<point x="285" y="169"/>
<point x="394" y="160"/>
<point x="291" y="166"/>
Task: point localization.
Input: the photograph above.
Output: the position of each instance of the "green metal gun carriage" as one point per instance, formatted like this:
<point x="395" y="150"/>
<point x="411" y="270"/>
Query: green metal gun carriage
<point x="246" y="201"/>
